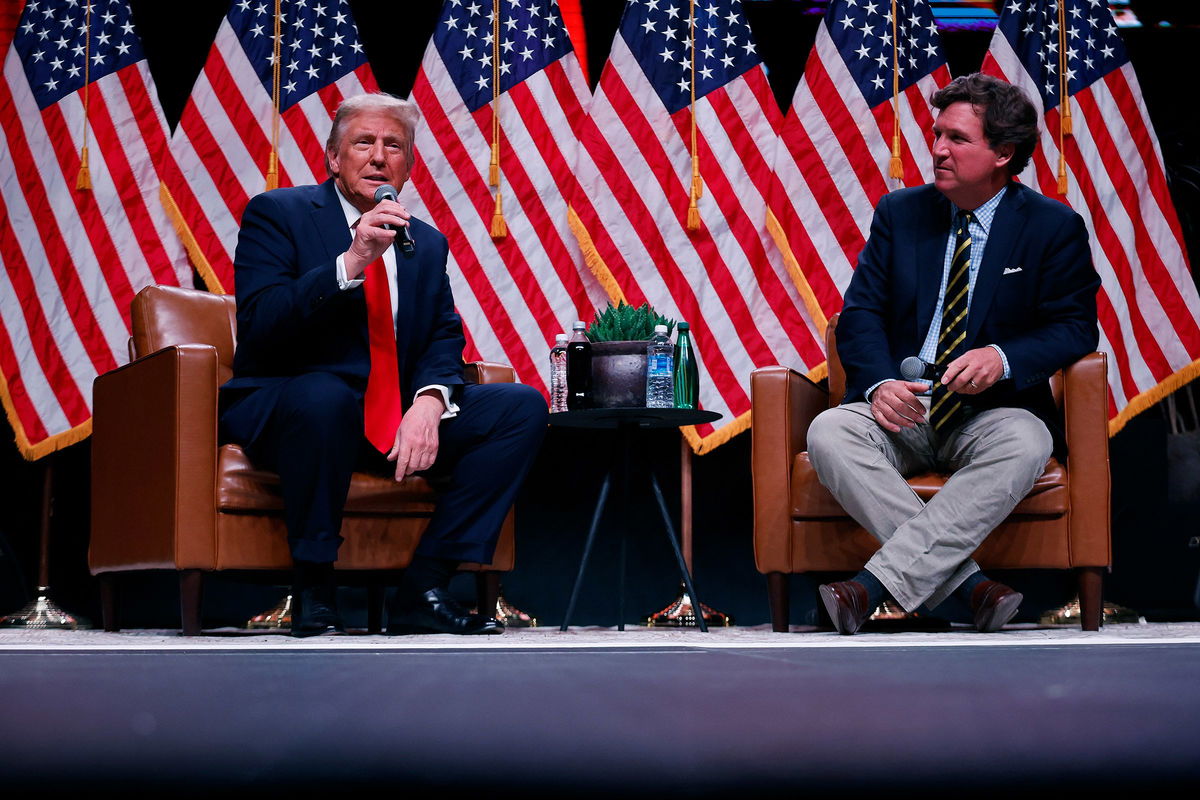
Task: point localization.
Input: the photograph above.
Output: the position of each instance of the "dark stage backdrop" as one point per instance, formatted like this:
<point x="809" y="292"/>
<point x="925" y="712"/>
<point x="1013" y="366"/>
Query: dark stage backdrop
<point x="1155" y="572"/>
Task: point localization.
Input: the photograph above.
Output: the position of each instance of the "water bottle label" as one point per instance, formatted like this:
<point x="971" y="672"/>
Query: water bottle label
<point x="660" y="364"/>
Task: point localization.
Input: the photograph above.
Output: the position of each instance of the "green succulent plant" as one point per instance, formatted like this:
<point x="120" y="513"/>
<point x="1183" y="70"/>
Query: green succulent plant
<point x="623" y="323"/>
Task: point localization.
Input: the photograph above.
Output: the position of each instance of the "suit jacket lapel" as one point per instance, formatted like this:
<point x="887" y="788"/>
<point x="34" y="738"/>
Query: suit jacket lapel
<point x="1002" y="238"/>
<point x="330" y="221"/>
<point x="934" y="224"/>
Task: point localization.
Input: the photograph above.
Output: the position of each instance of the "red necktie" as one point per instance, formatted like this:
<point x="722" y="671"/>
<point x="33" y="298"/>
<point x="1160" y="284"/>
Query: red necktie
<point x="381" y="406"/>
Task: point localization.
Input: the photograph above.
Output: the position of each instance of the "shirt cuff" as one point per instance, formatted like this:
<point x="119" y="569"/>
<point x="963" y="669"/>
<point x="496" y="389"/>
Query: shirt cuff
<point x="1003" y="360"/>
<point x="451" y="408"/>
<point x="343" y="282"/>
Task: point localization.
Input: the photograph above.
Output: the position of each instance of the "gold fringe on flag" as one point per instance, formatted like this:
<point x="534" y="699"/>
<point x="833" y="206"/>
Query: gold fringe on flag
<point x="697" y="190"/>
<point x="273" y="161"/>
<point x="1064" y="100"/>
<point x="84" y="179"/>
<point x="499" y="226"/>
<point x="895" y="165"/>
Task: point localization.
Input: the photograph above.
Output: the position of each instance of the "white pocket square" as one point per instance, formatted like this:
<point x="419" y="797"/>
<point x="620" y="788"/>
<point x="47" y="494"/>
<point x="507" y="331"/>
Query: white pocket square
<point x="1012" y="270"/>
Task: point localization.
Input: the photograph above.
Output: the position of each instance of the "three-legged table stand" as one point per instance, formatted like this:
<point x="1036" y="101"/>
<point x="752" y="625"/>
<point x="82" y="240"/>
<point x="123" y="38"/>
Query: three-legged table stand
<point x="627" y="422"/>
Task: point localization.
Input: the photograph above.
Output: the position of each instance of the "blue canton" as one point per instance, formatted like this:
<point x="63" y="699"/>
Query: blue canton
<point x="318" y="44"/>
<point x="1094" y="47"/>
<point x="532" y="37"/>
<point x="50" y="41"/>
<point x="862" y="32"/>
<point x="657" y="33"/>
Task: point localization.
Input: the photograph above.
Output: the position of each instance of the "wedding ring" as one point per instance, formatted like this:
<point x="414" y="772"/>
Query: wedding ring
<point x="972" y="384"/>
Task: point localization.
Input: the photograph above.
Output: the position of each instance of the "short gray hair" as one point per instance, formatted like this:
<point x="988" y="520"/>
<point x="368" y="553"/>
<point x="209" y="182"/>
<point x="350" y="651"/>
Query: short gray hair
<point x="403" y="111"/>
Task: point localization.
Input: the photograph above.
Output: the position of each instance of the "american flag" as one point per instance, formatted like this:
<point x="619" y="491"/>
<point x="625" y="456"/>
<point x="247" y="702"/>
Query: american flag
<point x="726" y="277"/>
<point x="73" y="258"/>
<point x="224" y="138"/>
<point x="1148" y="305"/>
<point x="516" y="291"/>
<point x="832" y="165"/>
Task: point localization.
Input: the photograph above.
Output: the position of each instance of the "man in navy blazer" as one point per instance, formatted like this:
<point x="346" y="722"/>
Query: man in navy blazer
<point x="993" y="285"/>
<point x="304" y="361"/>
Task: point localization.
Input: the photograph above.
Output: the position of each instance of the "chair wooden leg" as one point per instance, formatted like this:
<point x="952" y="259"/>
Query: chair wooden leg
<point x="108" y="602"/>
<point x="777" y="593"/>
<point x="375" y="599"/>
<point x="487" y="590"/>
<point x="191" y="595"/>
<point x="1091" y="604"/>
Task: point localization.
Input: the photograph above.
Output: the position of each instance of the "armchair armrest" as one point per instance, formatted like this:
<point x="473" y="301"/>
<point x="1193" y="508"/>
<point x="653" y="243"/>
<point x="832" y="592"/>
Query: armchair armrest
<point x="154" y="451"/>
<point x="1085" y="412"/>
<point x="488" y="372"/>
<point x="783" y="404"/>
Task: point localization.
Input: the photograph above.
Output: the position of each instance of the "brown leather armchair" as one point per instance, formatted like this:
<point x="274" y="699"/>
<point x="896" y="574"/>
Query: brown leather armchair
<point x="166" y="497"/>
<point x="1063" y="523"/>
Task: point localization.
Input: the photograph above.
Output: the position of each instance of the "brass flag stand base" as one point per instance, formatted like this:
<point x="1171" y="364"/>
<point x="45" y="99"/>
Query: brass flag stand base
<point x="511" y="616"/>
<point x="278" y="617"/>
<point x="1111" y="614"/>
<point x="41" y="614"/>
<point x="891" y="617"/>
<point x="682" y="614"/>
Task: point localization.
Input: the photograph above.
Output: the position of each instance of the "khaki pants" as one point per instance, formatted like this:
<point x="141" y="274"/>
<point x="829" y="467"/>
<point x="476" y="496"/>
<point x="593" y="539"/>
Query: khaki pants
<point x="995" y="457"/>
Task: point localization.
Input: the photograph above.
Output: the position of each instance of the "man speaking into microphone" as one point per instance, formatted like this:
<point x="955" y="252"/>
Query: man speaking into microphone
<point x="969" y="294"/>
<point x="349" y="357"/>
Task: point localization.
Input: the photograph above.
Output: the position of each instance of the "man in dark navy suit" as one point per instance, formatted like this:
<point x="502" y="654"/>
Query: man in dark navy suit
<point x="350" y="353"/>
<point x="993" y="285"/>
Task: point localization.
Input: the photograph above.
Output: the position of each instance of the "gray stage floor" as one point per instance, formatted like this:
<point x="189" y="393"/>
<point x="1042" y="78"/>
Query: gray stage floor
<point x="591" y="712"/>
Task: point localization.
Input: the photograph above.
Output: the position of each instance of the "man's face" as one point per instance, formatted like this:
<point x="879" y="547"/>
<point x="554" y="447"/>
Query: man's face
<point x="372" y="151"/>
<point x="965" y="167"/>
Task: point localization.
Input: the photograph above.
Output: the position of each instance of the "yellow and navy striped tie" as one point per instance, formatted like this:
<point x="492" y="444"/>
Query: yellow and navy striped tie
<point x="946" y="409"/>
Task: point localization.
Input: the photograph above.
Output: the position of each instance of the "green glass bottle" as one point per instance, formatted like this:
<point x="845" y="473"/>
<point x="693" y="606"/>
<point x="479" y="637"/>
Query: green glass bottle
<point x="687" y="374"/>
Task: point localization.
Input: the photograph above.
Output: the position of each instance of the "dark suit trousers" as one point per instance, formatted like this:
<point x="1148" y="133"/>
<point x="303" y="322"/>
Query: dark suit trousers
<point x="314" y="440"/>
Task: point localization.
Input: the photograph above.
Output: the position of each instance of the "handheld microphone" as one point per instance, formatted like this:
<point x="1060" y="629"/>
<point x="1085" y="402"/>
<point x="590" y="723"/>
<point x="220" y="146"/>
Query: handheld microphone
<point x="403" y="238"/>
<point x="917" y="369"/>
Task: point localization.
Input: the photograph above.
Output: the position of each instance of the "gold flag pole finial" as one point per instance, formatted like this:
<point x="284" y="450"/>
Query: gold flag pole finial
<point x="895" y="165"/>
<point x="84" y="179"/>
<point x="499" y="226"/>
<point x="1064" y="99"/>
<point x="697" y="191"/>
<point x="273" y="161"/>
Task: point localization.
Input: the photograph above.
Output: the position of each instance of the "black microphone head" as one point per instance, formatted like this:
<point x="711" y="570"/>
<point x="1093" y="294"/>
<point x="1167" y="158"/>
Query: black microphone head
<point x="912" y="369"/>
<point x="385" y="192"/>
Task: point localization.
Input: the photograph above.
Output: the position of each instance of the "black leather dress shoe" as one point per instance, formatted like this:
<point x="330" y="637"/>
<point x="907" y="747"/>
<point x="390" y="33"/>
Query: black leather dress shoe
<point x="437" y="612"/>
<point x="848" y="605"/>
<point x="314" y="612"/>
<point x="994" y="604"/>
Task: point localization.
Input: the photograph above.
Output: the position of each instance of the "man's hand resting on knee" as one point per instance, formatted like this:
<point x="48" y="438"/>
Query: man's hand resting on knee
<point x="416" y="443"/>
<point x="894" y="405"/>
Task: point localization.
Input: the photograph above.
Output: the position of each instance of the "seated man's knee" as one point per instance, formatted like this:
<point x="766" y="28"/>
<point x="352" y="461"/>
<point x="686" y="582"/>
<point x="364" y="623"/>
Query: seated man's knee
<point x="827" y="434"/>
<point x="321" y="402"/>
<point x="522" y="403"/>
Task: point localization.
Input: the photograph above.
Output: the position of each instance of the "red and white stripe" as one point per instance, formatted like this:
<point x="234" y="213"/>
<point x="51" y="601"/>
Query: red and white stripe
<point x="72" y="260"/>
<point x="727" y="280"/>
<point x="832" y="167"/>
<point x="223" y="146"/>
<point x="1148" y="305"/>
<point x="514" y="294"/>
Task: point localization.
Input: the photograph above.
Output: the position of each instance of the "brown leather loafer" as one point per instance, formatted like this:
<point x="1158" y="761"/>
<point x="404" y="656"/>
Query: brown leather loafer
<point x="994" y="604"/>
<point x="847" y="604"/>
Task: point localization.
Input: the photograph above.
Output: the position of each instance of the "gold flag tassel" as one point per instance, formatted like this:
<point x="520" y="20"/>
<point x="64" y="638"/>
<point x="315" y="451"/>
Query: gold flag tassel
<point x="84" y="179"/>
<point x="273" y="160"/>
<point x="1064" y="100"/>
<point x="697" y="191"/>
<point x="895" y="165"/>
<point x="499" y="226"/>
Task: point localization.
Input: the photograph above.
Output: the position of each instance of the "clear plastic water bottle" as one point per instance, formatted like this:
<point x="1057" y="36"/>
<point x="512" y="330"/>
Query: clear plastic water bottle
<point x="579" y="368"/>
<point x="558" y="374"/>
<point x="687" y="375"/>
<point x="660" y="370"/>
